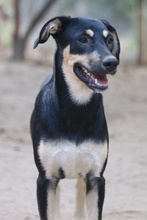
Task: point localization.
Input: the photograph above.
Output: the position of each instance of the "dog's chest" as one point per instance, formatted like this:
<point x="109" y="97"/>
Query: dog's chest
<point x="73" y="160"/>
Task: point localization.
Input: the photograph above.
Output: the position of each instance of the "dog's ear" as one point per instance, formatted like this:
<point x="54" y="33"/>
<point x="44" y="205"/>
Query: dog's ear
<point x="116" y="47"/>
<point x="52" y="27"/>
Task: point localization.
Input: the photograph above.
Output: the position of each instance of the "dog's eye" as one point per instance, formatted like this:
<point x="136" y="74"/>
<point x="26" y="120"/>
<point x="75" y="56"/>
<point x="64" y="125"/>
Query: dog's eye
<point x="83" y="39"/>
<point x="109" y="40"/>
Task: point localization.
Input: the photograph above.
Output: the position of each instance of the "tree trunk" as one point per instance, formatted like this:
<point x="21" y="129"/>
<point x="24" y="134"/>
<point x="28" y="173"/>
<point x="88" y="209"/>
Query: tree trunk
<point x="16" y="18"/>
<point x="140" y="33"/>
<point x="18" y="49"/>
<point x="17" y="43"/>
<point x="20" y="42"/>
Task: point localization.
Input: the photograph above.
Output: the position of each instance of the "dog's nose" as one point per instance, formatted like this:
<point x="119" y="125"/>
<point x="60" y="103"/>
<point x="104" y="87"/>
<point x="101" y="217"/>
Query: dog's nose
<point x="110" y="63"/>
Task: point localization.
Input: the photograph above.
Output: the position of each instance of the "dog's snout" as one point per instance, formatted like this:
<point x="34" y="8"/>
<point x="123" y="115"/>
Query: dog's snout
<point x="109" y="63"/>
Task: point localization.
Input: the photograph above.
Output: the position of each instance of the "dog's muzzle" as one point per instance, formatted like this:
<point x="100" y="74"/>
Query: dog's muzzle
<point x="109" y="64"/>
<point x="95" y="77"/>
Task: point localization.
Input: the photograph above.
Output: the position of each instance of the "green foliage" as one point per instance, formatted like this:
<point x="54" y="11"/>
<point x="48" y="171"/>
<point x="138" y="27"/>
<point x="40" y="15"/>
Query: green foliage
<point x="5" y="38"/>
<point x="6" y="27"/>
<point x="7" y="6"/>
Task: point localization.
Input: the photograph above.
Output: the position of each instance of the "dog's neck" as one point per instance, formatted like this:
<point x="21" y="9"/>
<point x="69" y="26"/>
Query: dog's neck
<point x="65" y="77"/>
<point x="77" y="118"/>
<point x="62" y="88"/>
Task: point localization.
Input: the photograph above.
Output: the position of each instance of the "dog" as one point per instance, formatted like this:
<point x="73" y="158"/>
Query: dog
<point x="68" y="126"/>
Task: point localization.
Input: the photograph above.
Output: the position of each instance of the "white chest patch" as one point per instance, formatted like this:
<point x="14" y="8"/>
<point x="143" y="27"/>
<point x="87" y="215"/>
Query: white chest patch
<point x="74" y="160"/>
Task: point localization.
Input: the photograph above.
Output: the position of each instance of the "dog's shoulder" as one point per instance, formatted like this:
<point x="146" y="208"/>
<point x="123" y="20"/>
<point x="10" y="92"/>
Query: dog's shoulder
<point x="46" y="81"/>
<point x="45" y="108"/>
<point x="46" y="96"/>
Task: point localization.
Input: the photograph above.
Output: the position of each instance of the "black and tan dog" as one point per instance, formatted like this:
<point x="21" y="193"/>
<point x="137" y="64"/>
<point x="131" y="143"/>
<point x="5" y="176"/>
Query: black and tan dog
<point x="68" y="125"/>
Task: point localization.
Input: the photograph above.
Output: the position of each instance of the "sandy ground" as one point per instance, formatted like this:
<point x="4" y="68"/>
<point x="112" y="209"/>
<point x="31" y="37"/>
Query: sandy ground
<point x="126" y="173"/>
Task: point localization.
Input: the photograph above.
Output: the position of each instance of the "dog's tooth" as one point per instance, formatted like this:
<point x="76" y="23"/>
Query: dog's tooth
<point x="86" y="71"/>
<point x="96" y="81"/>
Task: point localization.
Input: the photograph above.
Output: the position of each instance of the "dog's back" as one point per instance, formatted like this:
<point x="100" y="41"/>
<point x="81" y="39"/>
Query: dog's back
<point x="68" y="126"/>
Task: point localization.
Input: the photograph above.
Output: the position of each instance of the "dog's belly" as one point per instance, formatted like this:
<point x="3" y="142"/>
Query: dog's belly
<point x="73" y="160"/>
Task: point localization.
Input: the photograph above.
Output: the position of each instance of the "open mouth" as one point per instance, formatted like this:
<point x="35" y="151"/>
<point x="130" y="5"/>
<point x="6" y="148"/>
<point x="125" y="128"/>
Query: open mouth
<point x="93" y="81"/>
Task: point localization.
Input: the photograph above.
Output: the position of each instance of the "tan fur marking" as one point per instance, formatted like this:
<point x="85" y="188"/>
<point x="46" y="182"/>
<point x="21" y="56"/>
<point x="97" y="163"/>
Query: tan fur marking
<point x="90" y="33"/>
<point x="80" y="199"/>
<point x="105" y="33"/>
<point x="53" y="26"/>
<point x="115" y="47"/>
<point x="79" y="91"/>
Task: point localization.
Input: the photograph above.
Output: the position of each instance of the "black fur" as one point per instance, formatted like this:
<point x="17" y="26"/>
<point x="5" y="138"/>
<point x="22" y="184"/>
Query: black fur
<point x="56" y="116"/>
<point x="42" y="187"/>
<point x="97" y="184"/>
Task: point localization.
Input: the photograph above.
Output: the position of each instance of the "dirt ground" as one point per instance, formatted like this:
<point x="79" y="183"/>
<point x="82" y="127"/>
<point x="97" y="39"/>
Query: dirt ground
<point x="126" y="173"/>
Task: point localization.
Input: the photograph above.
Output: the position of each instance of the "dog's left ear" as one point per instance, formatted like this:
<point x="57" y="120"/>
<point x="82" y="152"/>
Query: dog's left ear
<point x="52" y="27"/>
<point x="116" y="47"/>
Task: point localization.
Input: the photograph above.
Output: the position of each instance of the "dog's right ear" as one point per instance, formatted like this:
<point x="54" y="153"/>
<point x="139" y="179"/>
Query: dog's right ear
<point x="52" y="27"/>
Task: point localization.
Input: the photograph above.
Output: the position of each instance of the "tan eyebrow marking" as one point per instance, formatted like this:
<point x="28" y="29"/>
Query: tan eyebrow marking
<point x="90" y="32"/>
<point x="105" y="33"/>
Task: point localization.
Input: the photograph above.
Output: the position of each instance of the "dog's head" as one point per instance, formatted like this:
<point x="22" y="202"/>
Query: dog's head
<point x="90" y="49"/>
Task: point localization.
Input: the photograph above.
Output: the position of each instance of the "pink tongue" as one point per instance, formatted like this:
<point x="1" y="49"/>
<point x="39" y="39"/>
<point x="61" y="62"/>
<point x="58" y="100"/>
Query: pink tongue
<point x="102" y="79"/>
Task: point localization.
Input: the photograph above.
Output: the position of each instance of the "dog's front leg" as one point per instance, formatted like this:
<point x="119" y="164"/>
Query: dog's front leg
<point x="80" y="212"/>
<point x="46" y="196"/>
<point x="95" y="193"/>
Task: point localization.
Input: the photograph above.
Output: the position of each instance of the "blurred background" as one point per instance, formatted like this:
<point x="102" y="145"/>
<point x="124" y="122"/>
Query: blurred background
<point x="22" y="71"/>
<point x="21" y="20"/>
